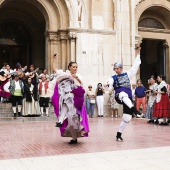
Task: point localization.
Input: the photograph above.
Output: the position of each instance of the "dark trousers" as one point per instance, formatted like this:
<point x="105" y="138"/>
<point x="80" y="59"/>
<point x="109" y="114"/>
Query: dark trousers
<point x="44" y="101"/>
<point x="15" y="100"/>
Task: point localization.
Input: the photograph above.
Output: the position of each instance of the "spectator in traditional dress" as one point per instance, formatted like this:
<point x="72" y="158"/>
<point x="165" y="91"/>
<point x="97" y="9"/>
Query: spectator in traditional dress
<point x="30" y="106"/>
<point x="16" y="89"/>
<point x="44" y="95"/>
<point x="162" y="105"/>
<point x="151" y="98"/>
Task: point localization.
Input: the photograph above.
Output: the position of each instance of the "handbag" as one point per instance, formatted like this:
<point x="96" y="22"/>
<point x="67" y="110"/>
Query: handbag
<point x="92" y="101"/>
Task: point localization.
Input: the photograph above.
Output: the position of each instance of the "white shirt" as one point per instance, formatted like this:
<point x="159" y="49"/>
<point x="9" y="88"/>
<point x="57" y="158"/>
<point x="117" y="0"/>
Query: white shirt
<point x="17" y="85"/>
<point x="90" y="93"/>
<point x="67" y="73"/>
<point x="131" y="73"/>
<point x="10" y="71"/>
<point x="47" y="76"/>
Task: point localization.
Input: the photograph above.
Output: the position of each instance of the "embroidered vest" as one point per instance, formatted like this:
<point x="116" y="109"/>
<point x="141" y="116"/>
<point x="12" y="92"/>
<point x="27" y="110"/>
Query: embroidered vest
<point x="45" y="86"/>
<point x="122" y="83"/>
<point x="12" y="87"/>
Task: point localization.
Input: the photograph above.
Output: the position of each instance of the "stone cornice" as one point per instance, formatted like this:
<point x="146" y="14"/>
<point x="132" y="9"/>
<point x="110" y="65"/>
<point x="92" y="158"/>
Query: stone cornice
<point x="166" y="31"/>
<point x="144" y="0"/>
<point x="92" y="31"/>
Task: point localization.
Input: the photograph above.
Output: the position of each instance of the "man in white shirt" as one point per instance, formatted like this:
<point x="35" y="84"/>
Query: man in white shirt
<point x="16" y="89"/>
<point x="123" y="92"/>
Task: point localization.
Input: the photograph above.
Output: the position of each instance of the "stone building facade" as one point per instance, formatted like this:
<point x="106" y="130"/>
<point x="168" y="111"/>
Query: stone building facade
<point x="94" y="33"/>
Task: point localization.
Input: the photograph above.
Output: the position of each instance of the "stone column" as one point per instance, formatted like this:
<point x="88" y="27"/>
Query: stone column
<point x="72" y="37"/>
<point x="52" y="44"/>
<point x="63" y="40"/>
<point x="167" y="60"/>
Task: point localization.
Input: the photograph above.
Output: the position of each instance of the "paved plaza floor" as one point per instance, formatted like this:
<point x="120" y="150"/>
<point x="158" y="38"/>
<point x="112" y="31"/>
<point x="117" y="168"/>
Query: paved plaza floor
<point x="38" y="145"/>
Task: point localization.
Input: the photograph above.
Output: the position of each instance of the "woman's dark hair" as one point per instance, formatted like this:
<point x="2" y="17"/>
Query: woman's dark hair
<point x="99" y="83"/>
<point x="152" y="77"/>
<point x="44" y="69"/>
<point x="70" y="64"/>
<point x="5" y="64"/>
<point x="162" y="77"/>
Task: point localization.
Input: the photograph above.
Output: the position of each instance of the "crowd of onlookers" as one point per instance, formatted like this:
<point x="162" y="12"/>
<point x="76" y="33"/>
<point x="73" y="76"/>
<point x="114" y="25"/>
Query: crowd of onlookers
<point x="152" y="101"/>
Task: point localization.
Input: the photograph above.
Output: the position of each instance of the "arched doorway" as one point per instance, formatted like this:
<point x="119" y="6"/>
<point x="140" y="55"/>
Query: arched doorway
<point x="154" y="29"/>
<point x="22" y="34"/>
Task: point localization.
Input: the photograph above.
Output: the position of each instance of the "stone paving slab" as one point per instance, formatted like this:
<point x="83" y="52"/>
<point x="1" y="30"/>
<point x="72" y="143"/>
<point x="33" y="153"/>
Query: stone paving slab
<point x="38" y="139"/>
<point x="159" y="159"/>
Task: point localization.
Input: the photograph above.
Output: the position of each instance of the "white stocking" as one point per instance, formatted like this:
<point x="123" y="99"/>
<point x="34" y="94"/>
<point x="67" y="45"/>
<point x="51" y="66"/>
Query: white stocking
<point x="47" y="109"/>
<point x="14" y="109"/>
<point x="41" y="108"/>
<point x="19" y="108"/>
<point x="125" y="119"/>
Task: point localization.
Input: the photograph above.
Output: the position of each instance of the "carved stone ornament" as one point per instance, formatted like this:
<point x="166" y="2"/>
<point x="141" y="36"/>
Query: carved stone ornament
<point x="165" y="44"/>
<point x="151" y="23"/>
<point x="72" y="35"/>
<point x="53" y="37"/>
<point x="63" y="36"/>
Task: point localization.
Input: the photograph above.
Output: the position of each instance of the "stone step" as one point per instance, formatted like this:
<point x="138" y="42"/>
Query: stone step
<point x="27" y="119"/>
<point x="6" y="110"/>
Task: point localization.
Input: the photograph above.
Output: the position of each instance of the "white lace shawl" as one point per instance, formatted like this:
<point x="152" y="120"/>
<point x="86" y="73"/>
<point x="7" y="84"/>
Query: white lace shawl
<point x="160" y="86"/>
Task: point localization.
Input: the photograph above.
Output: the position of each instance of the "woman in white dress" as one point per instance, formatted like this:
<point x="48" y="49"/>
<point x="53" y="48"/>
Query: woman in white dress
<point x="30" y="106"/>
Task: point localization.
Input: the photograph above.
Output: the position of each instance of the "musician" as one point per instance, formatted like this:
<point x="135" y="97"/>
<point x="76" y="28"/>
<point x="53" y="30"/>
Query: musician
<point x="44" y="73"/>
<point x="5" y="94"/>
<point x="4" y="67"/>
<point x="20" y="71"/>
<point x="8" y="69"/>
<point x="18" y="67"/>
<point x="2" y="73"/>
<point x="34" y="80"/>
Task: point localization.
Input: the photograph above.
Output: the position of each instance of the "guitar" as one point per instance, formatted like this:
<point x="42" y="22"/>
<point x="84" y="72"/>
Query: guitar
<point x="8" y="75"/>
<point x="21" y="72"/>
<point x="33" y="73"/>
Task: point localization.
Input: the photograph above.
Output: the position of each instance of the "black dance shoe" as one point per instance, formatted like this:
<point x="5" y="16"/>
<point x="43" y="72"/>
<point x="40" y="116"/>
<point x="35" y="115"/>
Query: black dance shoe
<point x="58" y="124"/>
<point x="136" y="112"/>
<point x="118" y="137"/>
<point x="15" y="115"/>
<point x="156" y="121"/>
<point x="164" y="123"/>
<point x="150" y="121"/>
<point x="73" y="142"/>
<point x="19" y="114"/>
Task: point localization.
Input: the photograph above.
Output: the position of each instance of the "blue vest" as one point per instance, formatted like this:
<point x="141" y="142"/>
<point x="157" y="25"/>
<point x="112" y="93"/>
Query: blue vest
<point x="122" y="83"/>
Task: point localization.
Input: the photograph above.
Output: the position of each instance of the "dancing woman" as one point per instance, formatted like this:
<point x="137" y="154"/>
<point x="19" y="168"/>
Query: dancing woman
<point x="68" y="101"/>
